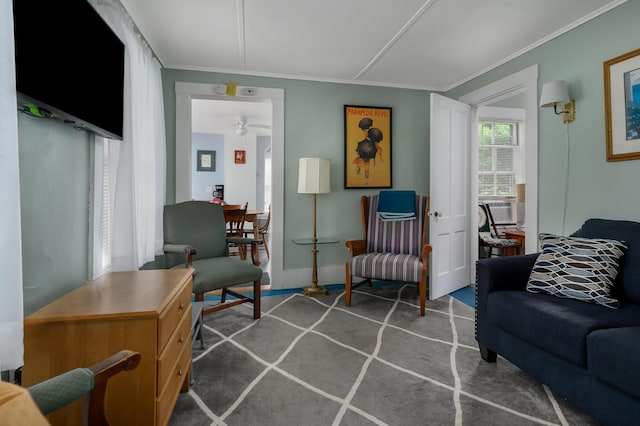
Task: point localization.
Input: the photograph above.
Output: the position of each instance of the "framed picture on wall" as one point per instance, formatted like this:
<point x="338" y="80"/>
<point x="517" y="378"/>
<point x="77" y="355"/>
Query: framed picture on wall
<point x="622" y="106"/>
<point x="367" y="147"/>
<point x="206" y="161"/>
<point x="240" y="157"/>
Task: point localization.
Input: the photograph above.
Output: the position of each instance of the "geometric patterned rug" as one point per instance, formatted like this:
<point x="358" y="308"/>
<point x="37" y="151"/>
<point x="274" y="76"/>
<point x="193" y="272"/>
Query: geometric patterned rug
<point x="313" y="361"/>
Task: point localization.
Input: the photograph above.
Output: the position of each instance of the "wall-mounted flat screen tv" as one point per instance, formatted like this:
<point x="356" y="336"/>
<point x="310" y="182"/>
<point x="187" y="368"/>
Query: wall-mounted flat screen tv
<point x="69" y="65"/>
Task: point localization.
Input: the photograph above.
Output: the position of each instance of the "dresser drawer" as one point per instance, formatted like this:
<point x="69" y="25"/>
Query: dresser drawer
<point x="169" y="395"/>
<point x="172" y="315"/>
<point x="173" y="349"/>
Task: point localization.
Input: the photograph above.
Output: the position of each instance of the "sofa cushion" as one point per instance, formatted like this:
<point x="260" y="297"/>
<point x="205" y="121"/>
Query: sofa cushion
<point x="577" y="268"/>
<point x="628" y="281"/>
<point x="557" y="325"/>
<point x="613" y="356"/>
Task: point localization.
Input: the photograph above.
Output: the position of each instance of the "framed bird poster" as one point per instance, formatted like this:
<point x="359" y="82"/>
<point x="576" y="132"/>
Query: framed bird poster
<point x="367" y="147"/>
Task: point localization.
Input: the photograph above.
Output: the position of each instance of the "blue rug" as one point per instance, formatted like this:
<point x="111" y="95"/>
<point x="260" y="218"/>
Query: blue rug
<point x="466" y="294"/>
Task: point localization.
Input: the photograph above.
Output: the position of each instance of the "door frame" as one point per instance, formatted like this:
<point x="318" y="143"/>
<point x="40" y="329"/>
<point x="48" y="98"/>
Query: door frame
<point x="185" y="92"/>
<point x="522" y="82"/>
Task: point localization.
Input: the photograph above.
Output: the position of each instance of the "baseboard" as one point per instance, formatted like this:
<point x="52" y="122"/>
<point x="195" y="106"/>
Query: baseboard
<point x="298" y="278"/>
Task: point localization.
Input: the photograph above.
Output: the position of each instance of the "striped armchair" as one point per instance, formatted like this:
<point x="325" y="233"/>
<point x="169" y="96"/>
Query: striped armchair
<point x="390" y="250"/>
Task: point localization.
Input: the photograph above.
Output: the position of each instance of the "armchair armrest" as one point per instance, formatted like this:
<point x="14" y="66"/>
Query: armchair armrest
<point x="188" y="251"/>
<point x="122" y="361"/>
<point x="356" y="247"/>
<point x="61" y="390"/>
<point x="496" y="274"/>
<point x="240" y="241"/>
<point x="426" y="249"/>
<point x="65" y="388"/>
<point x="504" y="273"/>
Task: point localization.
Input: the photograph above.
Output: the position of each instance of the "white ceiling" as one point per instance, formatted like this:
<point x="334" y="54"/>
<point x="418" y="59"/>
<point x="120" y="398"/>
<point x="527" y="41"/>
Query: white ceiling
<point x="209" y="116"/>
<point x="421" y="44"/>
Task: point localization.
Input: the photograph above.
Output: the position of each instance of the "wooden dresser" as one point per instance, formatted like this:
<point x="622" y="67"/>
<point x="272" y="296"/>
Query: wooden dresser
<point x="145" y="311"/>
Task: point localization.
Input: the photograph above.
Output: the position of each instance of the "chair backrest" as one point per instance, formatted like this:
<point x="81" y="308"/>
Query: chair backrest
<point x="199" y="224"/>
<point x="486" y="225"/>
<point x="264" y="224"/>
<point x="235" y="221"/>
<point x="234" y="206"/>
<point x="402" y="236"/>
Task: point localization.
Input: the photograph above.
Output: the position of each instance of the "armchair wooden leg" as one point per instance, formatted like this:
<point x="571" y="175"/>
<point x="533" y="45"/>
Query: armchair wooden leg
<point x="223" y="295"/>
<point x="347" y="288"/>
<point x="200" y="298"/>
<point x="256" y="299"/>
<point x="423" y="296"/>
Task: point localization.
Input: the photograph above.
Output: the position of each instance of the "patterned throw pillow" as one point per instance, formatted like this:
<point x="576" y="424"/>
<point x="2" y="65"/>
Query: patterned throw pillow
<point x="577" y="268"/>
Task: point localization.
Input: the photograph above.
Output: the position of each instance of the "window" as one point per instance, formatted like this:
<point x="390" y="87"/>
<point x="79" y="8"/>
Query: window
<point x="497" y="153"/>
<point x="101" y="208"/>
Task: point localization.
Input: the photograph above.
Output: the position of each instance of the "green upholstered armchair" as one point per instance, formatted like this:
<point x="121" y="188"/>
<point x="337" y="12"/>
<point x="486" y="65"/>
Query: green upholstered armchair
<point x="65" y="388"/>
<point x="195" y="237"/>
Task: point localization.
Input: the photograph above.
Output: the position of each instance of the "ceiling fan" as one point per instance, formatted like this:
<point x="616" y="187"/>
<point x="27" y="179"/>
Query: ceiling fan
<point x="242" y="126"/>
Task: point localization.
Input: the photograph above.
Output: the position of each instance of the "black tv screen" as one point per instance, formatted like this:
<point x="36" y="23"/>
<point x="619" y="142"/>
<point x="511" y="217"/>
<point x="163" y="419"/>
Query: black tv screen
<point x="69" y="64"/>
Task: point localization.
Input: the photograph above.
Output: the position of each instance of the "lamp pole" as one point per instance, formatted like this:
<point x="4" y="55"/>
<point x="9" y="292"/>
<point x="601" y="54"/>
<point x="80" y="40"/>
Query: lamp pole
<point x="314" y="275"/>
<point x="315" y="289"/>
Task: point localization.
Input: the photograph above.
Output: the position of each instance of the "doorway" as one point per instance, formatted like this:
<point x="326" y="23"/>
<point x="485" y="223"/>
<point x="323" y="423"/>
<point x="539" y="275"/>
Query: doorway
<point x="522" y="86"/>
<point x="223" y="128"/>
<point x="185" y="94"/>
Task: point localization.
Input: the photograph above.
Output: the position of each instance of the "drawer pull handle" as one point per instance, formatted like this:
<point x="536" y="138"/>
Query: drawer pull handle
<point x="180" y="372"/>
<point x="181" y="307"/>
<point x="181" y="340"/>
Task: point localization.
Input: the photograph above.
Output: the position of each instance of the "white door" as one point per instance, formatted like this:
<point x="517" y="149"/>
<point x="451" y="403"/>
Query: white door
<point x="449" y="218"/>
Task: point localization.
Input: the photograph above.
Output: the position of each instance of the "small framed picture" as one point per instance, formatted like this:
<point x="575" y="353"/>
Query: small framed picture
<point x="240" y="156"/>
<point x="206" y="161"/>
<point x="622" y="106"/>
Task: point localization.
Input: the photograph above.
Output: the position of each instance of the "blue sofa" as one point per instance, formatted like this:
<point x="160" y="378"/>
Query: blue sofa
<point x="588" y="353"/>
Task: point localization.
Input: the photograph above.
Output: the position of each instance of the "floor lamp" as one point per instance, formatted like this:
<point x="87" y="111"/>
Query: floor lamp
<point x="313" y="178"/>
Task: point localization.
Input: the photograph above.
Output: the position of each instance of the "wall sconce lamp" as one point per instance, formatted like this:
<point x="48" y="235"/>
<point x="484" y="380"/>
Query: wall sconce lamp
<point x="555" y="92"/>
<point x="314" y="178"/>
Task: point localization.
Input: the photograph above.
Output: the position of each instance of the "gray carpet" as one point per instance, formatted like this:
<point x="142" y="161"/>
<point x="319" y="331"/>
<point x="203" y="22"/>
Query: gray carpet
<point x="312" y="361"/>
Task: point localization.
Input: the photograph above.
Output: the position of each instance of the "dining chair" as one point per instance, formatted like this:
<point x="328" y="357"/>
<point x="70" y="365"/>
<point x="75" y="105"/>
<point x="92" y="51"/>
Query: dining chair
<point x="490" y="238"/>
<point x="235" y="216"/>
<point x="262" y="226"/>
<point x="390" y="250"/>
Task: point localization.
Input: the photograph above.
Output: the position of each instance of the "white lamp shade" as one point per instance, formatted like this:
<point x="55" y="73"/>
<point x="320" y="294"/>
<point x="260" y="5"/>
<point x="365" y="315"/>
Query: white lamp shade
<point x="554" y="92"/>
<point x="314" y="176"/>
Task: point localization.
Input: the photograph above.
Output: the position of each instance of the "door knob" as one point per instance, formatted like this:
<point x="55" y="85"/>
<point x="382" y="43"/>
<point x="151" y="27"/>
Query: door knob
<point x="436" y="214"/>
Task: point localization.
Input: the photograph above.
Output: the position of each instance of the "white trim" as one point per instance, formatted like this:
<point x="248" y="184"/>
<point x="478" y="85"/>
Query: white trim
<point x="185" y="92"/>
<point x="526" y="82"/>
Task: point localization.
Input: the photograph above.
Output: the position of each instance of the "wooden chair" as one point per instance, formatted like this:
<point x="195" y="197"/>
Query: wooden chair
<point x="91" y="382"/>
<point x="195" y="236"/>
<point x="263" y="231"/>
<point x="390" y="250"/>
<point x="234" y="216"/>
<point x="489" y="237"/>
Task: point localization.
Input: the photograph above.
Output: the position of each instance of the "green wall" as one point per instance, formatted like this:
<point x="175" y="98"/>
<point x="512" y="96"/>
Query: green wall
<point x="596" y="188"/>
<point x="54" y="191"/>
<point x="314" y="126"/>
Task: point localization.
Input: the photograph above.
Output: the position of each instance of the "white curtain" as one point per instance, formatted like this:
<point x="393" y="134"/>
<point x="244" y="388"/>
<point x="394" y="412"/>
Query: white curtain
<point x="11" y="307"/>
<point x="140" y="181"/>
